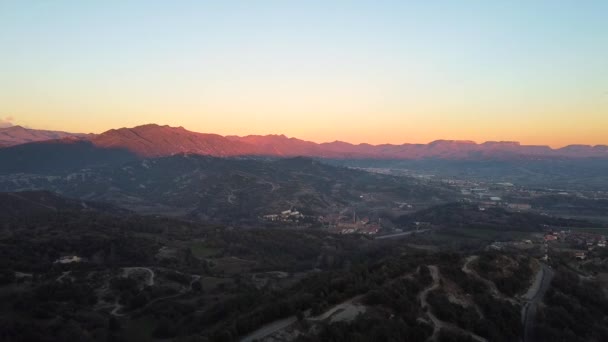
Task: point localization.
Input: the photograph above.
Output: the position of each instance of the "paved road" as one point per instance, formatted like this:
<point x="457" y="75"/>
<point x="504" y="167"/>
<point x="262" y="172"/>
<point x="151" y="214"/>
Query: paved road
<point x="534" y="296"/>
<point x="398" y="235"/>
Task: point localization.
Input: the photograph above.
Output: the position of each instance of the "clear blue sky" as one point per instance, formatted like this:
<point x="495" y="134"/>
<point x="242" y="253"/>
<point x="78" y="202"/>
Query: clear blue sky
<point x="376" y="71"/>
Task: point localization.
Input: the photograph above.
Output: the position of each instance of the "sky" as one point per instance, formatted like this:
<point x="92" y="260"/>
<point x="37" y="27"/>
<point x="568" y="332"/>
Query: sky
<point x="358" y="71"/>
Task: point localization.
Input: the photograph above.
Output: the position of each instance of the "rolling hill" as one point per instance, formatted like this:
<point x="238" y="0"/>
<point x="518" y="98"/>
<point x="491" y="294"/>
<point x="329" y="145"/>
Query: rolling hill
<point x="58" y="156"/>
<point x="229" y="189"/>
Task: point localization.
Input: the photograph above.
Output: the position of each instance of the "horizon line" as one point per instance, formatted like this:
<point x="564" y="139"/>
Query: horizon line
<point x="469" y="141"/>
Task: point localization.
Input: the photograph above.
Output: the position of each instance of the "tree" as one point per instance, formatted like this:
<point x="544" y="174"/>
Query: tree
<point x="113" y="324"/>
<point x="197" y="287"/>
<point x="164" y="329"/>
<point x="6" y="276"/>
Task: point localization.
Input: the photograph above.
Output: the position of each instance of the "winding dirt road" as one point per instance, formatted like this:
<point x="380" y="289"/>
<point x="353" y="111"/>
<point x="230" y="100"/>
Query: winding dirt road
<point x="149" y="280"/>
<point x="345" y="311"/>
<point x="126" y="272"/>
<point x="269" y="329"/>
<point x="466" y="268"/>
<point x="437" y="323"/>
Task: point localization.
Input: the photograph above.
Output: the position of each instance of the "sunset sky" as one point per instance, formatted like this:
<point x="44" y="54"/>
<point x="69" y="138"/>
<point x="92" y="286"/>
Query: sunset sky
<point x="357" y="71"/>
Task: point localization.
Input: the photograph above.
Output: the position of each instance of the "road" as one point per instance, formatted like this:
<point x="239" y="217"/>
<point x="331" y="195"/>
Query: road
<point x="398" y="235"/>
<point x="437" y="323"/>
<point x="149" y="280"/>
<point x="344" y="311"/>
<point x="116" y="310"/>
<point x="63" y="275"/>
<point x="126" y="272"/>
<point x="269" y="329"/>
<point x="533" y="297"/>
<point x="466" y="268"/>
<point x="118" y="307"/>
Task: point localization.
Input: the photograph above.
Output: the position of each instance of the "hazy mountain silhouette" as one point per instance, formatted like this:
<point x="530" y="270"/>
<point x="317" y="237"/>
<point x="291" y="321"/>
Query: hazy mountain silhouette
<point x="16" y="135"/>
<point x="157" y="141"/>
<point x="58" y="156"/>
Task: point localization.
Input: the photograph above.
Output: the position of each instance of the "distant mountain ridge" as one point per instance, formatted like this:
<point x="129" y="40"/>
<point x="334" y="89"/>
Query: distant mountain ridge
<point x="17" y="135"/>
<point x="152" y="140"/>
<point x="159" y="141"/>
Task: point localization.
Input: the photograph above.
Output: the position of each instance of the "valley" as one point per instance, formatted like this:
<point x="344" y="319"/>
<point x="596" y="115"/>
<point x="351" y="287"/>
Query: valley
<point x="190" y="247"/>
<point x="129" y="276"/>
<point x="303" y="171"/>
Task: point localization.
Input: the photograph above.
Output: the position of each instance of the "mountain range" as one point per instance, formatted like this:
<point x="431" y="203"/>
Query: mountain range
<point x="16" y="135"/>
<point x="148" y="141"/>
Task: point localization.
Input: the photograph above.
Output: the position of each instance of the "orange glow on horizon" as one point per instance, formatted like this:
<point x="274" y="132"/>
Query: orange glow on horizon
<point x="358" y="135"/>
<point x="362" y="72"/>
